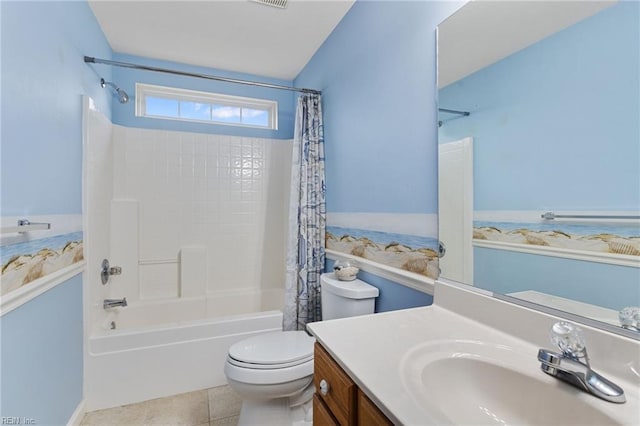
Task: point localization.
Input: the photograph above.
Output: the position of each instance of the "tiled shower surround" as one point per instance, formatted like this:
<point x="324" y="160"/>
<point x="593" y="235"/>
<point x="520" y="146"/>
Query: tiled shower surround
<point x="196" y="215"/>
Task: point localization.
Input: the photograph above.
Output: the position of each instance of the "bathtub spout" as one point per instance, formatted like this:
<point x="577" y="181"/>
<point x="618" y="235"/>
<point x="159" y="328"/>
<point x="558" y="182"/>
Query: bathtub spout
<point x="112" y="303"/>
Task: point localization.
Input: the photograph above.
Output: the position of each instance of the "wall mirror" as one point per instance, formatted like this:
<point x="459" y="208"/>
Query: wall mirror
<point x="539" y="152"/>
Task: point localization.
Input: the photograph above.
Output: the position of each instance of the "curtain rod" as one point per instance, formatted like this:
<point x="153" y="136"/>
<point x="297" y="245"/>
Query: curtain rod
<point x="89" y="59"/>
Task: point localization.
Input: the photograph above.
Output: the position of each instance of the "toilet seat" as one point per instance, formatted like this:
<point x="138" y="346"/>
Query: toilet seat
<point x="270" y="358"/>
<point x="235" y="362"/>
<point x="267" y="376"/>
<point x="273" y="350"/>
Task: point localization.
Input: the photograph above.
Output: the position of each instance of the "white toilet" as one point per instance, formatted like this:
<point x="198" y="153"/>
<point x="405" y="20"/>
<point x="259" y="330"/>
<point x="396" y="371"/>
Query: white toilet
<point x="273" y="372"/>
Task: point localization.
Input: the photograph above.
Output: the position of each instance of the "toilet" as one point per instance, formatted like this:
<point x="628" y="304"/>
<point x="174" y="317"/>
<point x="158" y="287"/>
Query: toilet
<point x="273" y="372"/>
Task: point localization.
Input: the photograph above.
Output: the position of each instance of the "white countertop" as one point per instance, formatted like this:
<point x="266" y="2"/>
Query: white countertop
<point x="373" y="349"/>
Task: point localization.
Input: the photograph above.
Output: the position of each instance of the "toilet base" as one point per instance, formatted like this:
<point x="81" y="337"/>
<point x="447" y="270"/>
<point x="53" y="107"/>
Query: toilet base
<point x="275" y="412"/>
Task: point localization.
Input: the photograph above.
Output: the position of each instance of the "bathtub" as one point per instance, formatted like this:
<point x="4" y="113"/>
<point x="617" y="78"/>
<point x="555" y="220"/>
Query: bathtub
<point x="133" y="364"/>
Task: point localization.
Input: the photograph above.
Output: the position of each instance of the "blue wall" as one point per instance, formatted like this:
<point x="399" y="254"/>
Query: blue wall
<point x="126" y="79"/>
<point x="555" y="125"/>
<point x="377" y="73"/>
<point x="42" y="356"/>
<point x="609" y="286"/>
<point x="43" y="80"/>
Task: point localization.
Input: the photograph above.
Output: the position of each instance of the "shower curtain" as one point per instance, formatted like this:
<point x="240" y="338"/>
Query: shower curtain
<point x="306" y="236"/>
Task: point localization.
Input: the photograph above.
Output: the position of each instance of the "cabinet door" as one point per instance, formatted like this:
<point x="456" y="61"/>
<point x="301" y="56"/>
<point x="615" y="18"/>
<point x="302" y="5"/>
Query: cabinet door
<point x="321" y="415"/>
<point x="369" y="414"/>
<point x="334" y="387"/>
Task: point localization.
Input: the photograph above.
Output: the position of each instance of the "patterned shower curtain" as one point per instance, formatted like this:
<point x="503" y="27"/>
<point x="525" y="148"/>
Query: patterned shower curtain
<point x="307" y="217"/>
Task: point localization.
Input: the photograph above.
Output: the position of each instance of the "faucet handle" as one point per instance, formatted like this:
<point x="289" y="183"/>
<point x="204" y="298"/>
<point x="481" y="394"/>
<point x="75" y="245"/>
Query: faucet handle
<point x="569" y="339"/>
<point x="630" y="318"/>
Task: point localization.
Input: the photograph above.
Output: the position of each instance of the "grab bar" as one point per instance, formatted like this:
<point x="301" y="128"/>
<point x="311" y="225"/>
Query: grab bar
<point x="24" y="225"/>
<point x="552" y="216"/>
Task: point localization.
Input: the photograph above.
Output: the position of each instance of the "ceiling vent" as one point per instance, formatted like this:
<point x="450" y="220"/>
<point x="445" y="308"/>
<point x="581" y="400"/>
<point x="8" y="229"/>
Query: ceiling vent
<point x="280" y="4"/>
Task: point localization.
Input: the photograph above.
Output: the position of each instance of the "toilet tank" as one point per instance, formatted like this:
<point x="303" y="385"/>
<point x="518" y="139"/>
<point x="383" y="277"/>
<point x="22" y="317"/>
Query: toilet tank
<point x="341" y="299"/>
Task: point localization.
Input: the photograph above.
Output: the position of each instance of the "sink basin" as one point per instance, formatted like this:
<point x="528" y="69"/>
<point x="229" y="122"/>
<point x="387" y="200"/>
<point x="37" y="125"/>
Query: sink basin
<point x="467" y="382"/>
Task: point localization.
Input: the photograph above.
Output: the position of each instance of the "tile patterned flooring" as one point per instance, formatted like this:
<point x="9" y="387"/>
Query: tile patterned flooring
<point x="211" y="407"/>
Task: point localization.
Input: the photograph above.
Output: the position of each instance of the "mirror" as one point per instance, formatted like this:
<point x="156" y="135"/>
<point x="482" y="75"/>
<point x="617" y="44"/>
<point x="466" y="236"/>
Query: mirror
<point x="539" y="152"/>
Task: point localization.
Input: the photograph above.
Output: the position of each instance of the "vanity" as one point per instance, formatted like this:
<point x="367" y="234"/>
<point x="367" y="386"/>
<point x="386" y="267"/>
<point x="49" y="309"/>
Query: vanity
<point x="470" y="358"/>
<point x="339" y="401"/>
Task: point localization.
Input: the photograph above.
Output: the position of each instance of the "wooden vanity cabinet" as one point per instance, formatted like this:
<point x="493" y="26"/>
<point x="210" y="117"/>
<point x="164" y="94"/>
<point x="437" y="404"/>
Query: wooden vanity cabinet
<point x="369" y="414"/>
<point x="335" y="391"/>
<point x="337" y="400"/>
<point x="321" y="414"/>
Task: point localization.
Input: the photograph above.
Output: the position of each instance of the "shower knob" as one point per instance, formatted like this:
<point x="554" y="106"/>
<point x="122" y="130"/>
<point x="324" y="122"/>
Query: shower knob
<point x="106" y="271"/>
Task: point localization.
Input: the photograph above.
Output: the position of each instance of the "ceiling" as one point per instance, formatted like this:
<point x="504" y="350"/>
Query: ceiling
<point x="487" y="31"/>
<point x="234" y="35"/>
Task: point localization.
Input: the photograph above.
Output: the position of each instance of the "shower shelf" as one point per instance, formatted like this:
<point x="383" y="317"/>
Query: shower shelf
<point x="24" y="225"/>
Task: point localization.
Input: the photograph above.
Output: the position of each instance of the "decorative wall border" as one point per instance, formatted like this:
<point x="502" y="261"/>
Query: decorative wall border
<point x="401" y="247"/>
<point x="25" y="262"/>
<point x="400" y="251"/>
<point x="602" y="240"/>
<point x="37" y="260"/>
<point x="22" y="295"/>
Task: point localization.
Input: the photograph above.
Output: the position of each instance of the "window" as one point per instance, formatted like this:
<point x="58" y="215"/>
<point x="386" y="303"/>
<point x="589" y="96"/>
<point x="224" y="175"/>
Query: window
<point x="190" y="105"/>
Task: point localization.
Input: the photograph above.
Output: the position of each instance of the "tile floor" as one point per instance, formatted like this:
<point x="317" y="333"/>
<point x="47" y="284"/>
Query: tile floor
<point x="211" y="407"/>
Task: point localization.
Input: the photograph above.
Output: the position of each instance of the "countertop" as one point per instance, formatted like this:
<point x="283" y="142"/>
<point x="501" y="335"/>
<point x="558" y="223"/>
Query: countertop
<point x="372" y="349"/>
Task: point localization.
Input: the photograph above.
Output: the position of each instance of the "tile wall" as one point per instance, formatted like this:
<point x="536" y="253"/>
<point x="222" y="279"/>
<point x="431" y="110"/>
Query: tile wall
<point x="188" y="207"/>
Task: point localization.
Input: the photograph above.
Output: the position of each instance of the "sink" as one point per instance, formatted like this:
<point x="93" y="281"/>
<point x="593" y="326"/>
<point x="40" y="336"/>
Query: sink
<point x="467" y="382"/>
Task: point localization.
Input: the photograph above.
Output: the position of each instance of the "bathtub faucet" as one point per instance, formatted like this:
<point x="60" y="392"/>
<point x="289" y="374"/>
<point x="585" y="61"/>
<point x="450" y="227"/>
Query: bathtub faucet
<point x="113" y="303"/>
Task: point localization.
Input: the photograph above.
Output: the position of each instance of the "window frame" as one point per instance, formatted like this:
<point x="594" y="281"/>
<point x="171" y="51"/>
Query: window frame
<point x="144" y="90"/>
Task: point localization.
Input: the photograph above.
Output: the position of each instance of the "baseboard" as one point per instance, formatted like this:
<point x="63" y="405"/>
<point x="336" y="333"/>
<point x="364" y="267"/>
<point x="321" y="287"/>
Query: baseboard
<point x="78" y="414"/>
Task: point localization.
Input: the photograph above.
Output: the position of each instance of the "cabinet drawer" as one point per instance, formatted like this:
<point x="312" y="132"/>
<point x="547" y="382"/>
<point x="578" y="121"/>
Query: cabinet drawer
<point x="321" y="415"/>
<point x="369" y="414"/>
<point x="340" y="396"/>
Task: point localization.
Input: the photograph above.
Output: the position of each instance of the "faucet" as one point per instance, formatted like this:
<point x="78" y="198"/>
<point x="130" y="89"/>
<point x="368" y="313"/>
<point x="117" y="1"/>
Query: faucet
<point x="572" y="365"/>
<point x="113" y="303"/>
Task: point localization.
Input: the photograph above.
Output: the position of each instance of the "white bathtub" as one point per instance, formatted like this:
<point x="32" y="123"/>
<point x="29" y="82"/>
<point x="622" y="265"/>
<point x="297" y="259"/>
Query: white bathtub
<point x="129" y="365"/>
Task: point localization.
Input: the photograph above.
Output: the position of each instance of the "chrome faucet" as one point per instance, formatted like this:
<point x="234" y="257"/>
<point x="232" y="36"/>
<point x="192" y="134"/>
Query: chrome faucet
<point x="572" y="365"/>
<point x="113" y="303"/>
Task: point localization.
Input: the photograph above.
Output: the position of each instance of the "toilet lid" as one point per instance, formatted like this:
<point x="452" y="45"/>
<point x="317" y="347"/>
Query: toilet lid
<point x="280" y="347"/>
